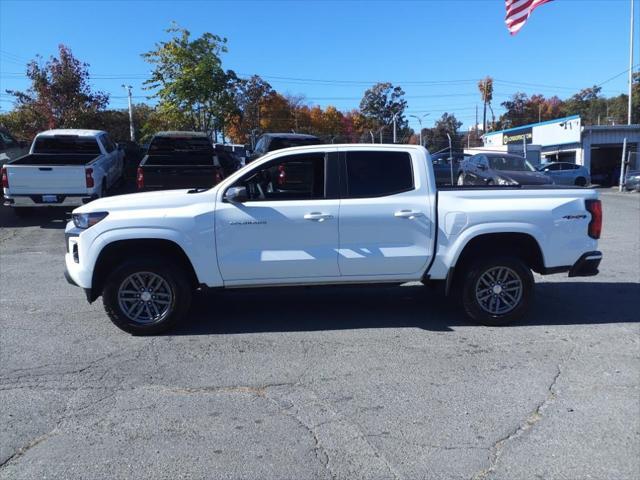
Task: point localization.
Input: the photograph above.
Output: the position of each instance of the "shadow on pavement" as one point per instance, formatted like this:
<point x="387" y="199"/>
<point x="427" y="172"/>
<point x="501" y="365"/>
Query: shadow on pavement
<point x="46" y="217"/>
<point x="342" y="308"/>
<point x="50" y="217"/>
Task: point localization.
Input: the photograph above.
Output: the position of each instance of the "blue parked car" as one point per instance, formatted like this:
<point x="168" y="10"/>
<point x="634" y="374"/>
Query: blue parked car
<point x="566" y="173"/>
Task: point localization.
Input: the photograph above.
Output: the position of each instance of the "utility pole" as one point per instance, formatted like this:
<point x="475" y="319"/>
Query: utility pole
<point x="484" y="101"/>
<point x="132" y="131"/>
<point x="630" y="67"/>
<point x="475" y="128"/>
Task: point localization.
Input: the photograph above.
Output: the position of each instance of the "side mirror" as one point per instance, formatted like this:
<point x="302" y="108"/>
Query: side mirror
<point x="236" y="195"/>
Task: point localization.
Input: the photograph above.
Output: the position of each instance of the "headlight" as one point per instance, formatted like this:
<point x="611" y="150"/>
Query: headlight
<point x="504" y="181"/>
<point x="86" y="220"/>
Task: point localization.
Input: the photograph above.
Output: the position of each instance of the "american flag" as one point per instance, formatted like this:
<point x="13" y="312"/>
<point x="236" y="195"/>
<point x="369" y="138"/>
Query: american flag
<point x="518" y="12"/>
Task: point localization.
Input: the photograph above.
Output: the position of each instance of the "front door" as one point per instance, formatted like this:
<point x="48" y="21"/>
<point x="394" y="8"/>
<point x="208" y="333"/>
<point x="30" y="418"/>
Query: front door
<point x="385" y="224"/>
<point x="288" y="227"/>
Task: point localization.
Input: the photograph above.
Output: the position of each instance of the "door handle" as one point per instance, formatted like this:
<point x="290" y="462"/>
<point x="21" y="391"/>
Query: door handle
<point x="410" y="214"/>
<point x="317" y="216"/>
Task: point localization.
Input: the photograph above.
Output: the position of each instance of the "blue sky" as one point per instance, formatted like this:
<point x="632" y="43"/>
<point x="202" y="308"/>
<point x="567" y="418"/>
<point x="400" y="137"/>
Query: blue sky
<point x="331" y="51"/>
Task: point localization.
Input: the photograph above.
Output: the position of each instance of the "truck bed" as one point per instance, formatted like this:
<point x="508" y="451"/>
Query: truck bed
<point x="58" y="159"/>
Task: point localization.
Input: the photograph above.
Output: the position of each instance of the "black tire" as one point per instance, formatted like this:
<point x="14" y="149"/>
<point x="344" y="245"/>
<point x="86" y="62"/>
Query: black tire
<point x="475" y="278"/>
<point x="581" y="181"/>
<point x="178" y="301"/>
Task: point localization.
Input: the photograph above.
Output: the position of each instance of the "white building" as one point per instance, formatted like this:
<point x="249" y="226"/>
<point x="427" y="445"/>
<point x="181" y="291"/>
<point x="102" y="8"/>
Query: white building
<point x="598" y="147"/>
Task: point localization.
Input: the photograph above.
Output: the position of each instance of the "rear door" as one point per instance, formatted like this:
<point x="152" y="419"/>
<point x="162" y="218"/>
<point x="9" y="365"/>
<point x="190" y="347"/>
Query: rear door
<point x="385" y="224"/>
<point x="288" y="228"/>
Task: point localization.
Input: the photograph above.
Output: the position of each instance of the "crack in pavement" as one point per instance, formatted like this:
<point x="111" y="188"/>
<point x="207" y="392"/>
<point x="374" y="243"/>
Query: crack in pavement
<point x="533" y="418"/>
<point x="340" y="444"/>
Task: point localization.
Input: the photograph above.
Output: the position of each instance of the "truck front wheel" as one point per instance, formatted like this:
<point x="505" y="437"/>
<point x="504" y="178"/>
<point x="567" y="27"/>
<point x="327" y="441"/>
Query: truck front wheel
<point x="146" y="296"/>
<point x="497" y="291"/>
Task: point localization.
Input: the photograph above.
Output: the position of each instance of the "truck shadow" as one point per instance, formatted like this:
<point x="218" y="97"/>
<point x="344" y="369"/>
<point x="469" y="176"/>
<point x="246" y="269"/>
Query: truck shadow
<point x="343" y="308"/>
<point x="49" y="218"/>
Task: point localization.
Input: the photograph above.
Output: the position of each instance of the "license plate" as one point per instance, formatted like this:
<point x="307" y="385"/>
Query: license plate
<point x="49" y="198"/>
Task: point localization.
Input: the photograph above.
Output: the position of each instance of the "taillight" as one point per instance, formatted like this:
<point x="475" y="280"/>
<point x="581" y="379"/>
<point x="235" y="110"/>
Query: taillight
<point x="594" y="207"/>
<point x="5" y="178"/>
<point x="140" y="178"/>
<point x="88" y="176"/>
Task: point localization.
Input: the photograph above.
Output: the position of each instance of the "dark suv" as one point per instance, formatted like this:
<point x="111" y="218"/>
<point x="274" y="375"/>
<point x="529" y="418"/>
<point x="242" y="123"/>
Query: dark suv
<point x="276" y="141"/>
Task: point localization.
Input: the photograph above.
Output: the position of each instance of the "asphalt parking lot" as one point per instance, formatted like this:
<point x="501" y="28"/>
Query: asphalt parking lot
<point x="341" y="383"/>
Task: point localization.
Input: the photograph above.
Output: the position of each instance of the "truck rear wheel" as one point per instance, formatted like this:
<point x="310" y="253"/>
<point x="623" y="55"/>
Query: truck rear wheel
<point x="147" y="296"/>
<point x="497" y="291"/>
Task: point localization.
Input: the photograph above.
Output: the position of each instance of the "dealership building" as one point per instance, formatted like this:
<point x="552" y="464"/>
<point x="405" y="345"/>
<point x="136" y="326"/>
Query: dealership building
<point x="597" y="147"/>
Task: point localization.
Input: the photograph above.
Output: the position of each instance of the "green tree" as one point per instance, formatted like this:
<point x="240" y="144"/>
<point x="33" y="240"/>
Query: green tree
<point x="436" y="138"/>
<point x="188" y="76"/>
<point x="379" y="105"/>
<point x="59" y="95"/>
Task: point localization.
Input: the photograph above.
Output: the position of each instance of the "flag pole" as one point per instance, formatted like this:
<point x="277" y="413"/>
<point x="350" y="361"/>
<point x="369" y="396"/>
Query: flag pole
<point x="630" y="68"/>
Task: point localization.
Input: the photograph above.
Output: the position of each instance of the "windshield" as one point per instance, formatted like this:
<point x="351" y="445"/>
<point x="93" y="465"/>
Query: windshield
<point x="510" y="163"/>
<point x="66" y="144"/>
<point x="278" y="143"/>
<point x="181" y="144"/>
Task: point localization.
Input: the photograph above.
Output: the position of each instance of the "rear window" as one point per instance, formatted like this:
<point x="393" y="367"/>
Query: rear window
<point x="66" y="144"/>
<point x="510" y="163"/>
<point x="181" y="144"/>
<point x="378" y="174"/>
<point x="280" y="143"/>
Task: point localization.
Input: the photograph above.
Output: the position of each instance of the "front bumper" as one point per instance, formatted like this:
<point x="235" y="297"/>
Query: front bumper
<point x="587" y="265"/>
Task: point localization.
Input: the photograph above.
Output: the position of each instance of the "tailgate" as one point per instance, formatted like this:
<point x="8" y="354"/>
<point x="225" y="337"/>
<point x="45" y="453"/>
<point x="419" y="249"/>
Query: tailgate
<point x="178" y="177"/>
<point x="26" y="179"/>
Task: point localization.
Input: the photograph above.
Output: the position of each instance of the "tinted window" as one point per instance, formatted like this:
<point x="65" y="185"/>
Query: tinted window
<point x="66" y="144"/>
<point x="180" y="144"/>
<point x="7" y="141"/>
<point x="377" y="174"/>
<point x="108" y="144"/>
<point x="294" y="177"/>
<point x="260" y="145"/>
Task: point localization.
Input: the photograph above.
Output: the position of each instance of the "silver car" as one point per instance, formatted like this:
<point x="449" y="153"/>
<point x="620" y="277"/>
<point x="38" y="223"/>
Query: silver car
<point x="566" y="173"/>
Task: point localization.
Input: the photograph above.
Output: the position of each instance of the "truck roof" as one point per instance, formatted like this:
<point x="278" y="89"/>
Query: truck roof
<point x="71" y="131"/>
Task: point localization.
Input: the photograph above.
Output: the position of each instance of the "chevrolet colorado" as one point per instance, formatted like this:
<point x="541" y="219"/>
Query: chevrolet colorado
<point x="329" y="214"/>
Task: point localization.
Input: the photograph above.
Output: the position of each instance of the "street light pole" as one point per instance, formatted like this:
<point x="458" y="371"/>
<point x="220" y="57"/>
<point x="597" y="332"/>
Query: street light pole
<point x="419" y="118"/>
<point x="450" y="156"/>
<point x="395" y="116"/>
<point x="132" y="131"/>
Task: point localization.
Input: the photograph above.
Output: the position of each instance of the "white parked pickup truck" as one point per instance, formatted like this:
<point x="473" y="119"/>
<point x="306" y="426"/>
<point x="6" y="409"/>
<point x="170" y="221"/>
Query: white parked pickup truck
<point x="63" y="168"/>
<point x="329" y="214"/>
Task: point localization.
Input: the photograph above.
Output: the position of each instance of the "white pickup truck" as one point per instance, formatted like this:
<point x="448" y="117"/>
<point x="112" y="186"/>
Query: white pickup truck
<point x="63" y="168"/>
<point x="329" y="214"/>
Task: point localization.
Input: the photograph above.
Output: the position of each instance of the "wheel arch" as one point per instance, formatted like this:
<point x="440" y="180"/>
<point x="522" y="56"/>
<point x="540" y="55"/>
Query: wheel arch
<point x="521" y="245"/>
<point x="115" y="252"/>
